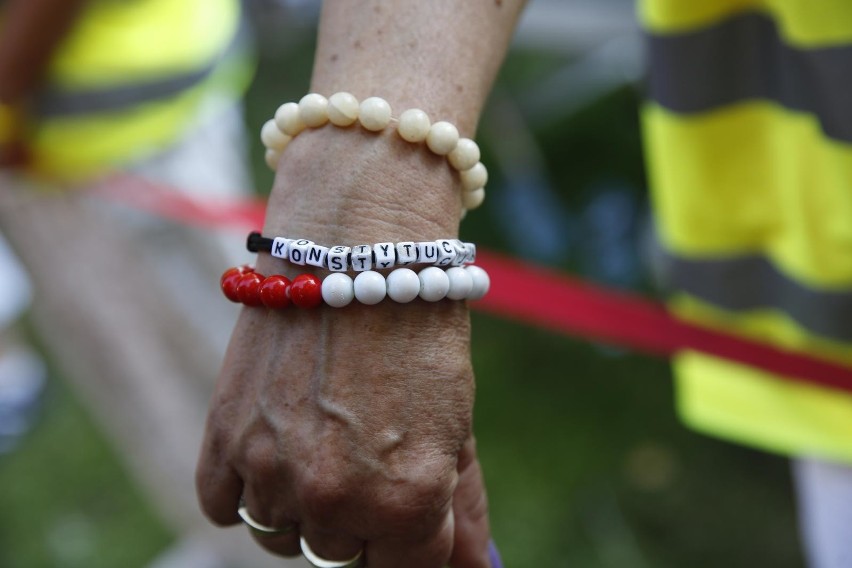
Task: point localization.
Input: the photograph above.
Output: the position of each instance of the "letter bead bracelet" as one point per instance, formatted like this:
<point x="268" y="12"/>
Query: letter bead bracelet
<point x="432" y="284"/>
<point x="340" y="258"/>
<point x="374" y="114"/>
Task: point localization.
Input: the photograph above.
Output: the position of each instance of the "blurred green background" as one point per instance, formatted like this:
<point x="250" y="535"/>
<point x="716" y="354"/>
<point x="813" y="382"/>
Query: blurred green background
<point x="586" y="463"/>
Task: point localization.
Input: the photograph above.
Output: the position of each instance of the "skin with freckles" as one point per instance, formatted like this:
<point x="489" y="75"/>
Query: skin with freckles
<point x="355" y="423"/>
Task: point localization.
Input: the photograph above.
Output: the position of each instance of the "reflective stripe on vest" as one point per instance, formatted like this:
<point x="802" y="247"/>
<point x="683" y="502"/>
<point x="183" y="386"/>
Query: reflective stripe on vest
<point x="749" y="147"/>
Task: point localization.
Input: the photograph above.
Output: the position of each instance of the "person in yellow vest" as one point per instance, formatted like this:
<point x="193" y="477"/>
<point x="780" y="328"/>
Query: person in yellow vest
<point x="749" y="144"/>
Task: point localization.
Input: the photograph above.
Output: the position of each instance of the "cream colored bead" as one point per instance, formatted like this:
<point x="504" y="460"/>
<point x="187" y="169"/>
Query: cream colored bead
<point x="465" y="155"/>
<point x="463" y="214"/>
<point x="288" y="120"/>
<point x="272" y="157"/>
<point x="474" y="178"/>
<point x="313" y="110"/>
<point x="473" y="199"/>
<point x="414" y="125"/>
<point x="342" y="109"/>
<point x="442" y="138"/>
<point x="272" y="137"/>
<point x="375" y="114"/>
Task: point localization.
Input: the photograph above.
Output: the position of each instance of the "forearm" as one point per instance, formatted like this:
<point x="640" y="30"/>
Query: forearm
<point x="30" y="32"/>
<point x="439" y="56"/>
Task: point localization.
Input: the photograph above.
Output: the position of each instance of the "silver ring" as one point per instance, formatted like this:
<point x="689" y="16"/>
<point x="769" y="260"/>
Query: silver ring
<point x="318" y="562"/>
<point x="263" y="529"/>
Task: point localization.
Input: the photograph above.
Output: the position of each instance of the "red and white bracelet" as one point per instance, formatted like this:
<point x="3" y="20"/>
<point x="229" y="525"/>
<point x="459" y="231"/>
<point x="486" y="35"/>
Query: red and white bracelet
<point x="432" y="284"/>
<point x="374" y="114"/>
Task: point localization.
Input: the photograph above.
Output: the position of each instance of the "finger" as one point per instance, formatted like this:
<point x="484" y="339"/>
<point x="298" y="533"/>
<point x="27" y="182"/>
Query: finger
<point x="276" y="532"/>
<point x="470" y="507"/>
<point x="432" y="552"/>
<point x="218" y="486"/>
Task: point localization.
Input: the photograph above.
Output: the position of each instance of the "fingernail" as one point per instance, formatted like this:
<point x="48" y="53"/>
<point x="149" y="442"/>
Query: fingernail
<point x="494" y="555"/>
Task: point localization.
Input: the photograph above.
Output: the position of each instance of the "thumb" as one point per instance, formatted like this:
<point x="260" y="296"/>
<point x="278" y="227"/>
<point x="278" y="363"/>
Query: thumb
<point x="470" y="509"/>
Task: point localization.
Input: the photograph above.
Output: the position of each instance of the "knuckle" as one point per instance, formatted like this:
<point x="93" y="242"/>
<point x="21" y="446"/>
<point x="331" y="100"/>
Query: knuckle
<point x="324" y="495"/>
<point x="419" y="499"/>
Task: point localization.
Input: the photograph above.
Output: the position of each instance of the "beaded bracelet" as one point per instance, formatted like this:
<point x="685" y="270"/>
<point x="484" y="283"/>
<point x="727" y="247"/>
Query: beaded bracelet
<point x="244" y="285"/>
<point x="339" y="258"/>
<point x="374" y="114"/>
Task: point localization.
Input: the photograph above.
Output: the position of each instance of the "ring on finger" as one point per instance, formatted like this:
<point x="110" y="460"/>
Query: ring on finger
<point x="262" y="529"/>
<point x="317" y="561"/>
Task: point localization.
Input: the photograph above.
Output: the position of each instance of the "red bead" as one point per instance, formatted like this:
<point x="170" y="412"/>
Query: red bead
<point x="274" y="292"/>
<point x="248" y="289"/>
<point x="229" y="282"/>
<point x="306" y="291"/>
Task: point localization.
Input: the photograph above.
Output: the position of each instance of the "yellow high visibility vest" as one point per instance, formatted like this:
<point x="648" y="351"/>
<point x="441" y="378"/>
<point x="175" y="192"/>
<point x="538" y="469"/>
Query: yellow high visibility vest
<point x="748" y="138"/>
<point x="129" y="78"/>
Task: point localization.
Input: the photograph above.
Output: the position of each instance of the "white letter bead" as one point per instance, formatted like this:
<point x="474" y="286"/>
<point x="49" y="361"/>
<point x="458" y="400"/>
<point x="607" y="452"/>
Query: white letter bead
<point x="370" y="287"/>
<point x="403" y="285"/>
<point x="362" y="258"/>
<point x="413" y="125"/>
<point x="375" y="114"/>
<point x="465" y="155"/>
<point x="446" y="252"/>
<point x="473" y="199"/>
<point x="434" y="284"/>
<point x="470" y="257"/>
<point x="338" y="258"/>
<point x="280" y="247"/>
<point x="406" y="253"/>
<point x="288" y="120"/>
<point x="481" y="282"/>
<point x="338" y="290"/>
<point x="461" y="253"/>
<point x="427" y="252"/>
<point x="474" y="178"/>
<point x="273" y="138"/>
<point x="442" y="138"/>
<point x="299" y="251"/>
<point x="461" y="283"/>
<point x="316" y="255"/>
<point x="342" y="109"/>
<point x="272" y="158"/>
<point x="384" y="255"/>
<point x="313" y="110"/>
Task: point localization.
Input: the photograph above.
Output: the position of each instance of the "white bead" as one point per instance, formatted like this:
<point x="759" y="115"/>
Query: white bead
<point x="481" y="282"/>
<point x="280" y="247"/>
<point x="427" y="252"/>
<point x="470" y="249"/>
<point x="272" y="158"/>
<point x="342" y="109"/>
<point x="316" y="255"/>
<point x="442" y="138"/>
<point x="461" y="253"/>
<point x="473" y="199"/>
<point x="465" y="155"/>
<point x="446" y="252"/>
<point x="299" y="251"/>
<point x="273" y="138"/>
<point x="313" y="110"/>
<point x="384" y="254"/>
<point x="434" y="284"/>
<point x="288" y="120"/>
<point x="406" y="253"/>
<point x="403" y="285"/>
<point x="362" y="258"/>
<point x="474" y="178"/>
<point x="461" y="283"/>
<point x="414" y="125"/>
<point x="375" y="114"/>
<point x="370" y="287"/>
<point x="338" y="290"/>
<point x="338" y="258"/>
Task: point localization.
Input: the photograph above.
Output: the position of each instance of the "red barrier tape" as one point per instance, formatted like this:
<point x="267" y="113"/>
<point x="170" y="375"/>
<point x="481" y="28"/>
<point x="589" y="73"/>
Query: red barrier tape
<point x="549" y="300"/>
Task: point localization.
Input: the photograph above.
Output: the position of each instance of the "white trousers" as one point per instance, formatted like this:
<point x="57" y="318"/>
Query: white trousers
<point x="824" y="493"/>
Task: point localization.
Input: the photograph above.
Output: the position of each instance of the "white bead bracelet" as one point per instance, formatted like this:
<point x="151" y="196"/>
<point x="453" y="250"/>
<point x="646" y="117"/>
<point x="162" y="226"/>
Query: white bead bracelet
<point x="374" y="114"/>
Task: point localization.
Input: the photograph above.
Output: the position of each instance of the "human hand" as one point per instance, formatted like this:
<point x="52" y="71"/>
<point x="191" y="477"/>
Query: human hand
<point x="352" y="424"/>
